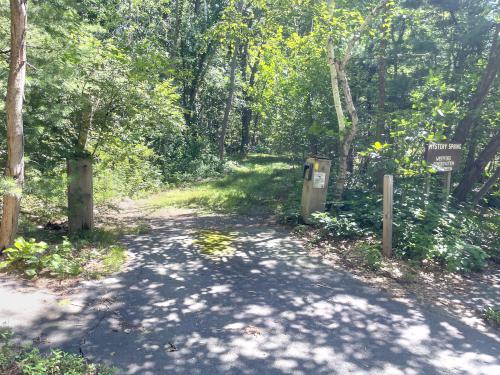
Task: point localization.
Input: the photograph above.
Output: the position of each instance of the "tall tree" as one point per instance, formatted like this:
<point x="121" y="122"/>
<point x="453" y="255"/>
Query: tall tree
<point x="467" y="123"/>
<point x="14" y="113"/>
<point x="229" y="102"/>
<point x="471" y="176"/>
<point x="338" y="70"/>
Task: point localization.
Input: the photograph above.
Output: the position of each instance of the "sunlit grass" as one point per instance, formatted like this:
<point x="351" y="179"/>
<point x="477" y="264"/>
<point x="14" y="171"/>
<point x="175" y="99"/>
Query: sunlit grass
<point x="111" y="260"/>
<point x="256" y="183"/>
<point x="215" y="244"/>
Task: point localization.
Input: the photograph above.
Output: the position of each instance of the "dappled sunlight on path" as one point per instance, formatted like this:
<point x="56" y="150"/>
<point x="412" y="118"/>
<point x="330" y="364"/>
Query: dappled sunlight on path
<point x="268" y="308"/>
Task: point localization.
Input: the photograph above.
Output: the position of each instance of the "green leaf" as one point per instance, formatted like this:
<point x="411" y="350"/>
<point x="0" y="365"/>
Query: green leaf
<point x="31" y="272"/>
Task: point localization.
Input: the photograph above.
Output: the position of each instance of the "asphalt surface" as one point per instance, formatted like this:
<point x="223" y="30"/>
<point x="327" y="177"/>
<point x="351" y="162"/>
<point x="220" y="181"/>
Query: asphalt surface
<point x="267" y="308"/>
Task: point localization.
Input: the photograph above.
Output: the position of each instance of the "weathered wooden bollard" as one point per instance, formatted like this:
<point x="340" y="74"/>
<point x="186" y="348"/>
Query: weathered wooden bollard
<point x="388" y="208"/>
<point x="80" y="195"/>
<point x="316" y="176"/>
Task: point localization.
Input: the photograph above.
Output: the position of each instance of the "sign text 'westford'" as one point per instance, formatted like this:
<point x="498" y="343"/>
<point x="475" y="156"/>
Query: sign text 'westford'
<point x="444" y="157"/>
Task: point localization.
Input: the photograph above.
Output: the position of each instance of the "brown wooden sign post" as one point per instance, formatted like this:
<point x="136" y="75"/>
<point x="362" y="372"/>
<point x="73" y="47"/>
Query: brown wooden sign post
<point x="444" y="157"/>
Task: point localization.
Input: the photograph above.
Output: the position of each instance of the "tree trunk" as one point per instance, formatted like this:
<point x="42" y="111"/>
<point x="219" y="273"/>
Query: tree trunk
<point x="472" y="175"/>
<point x="179" y="13"/>
<point x="247" y="113"/>
<point x="14" y="115"/>
<point x="486" y="187"/>
<point x="80" y="185"/>
<point x="349" y="136"/>
<point x="80" y="195"/>
<point x="246" y="118"/>
<point x="335" y="90"/>
<point x="338" y="72"/>
<point x="229" y="103"/>
<point x="483" y="88"/>
<point x="382" y="71"/>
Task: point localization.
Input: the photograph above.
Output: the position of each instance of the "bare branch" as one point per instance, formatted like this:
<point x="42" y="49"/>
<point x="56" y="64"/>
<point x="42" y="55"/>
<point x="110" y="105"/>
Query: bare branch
<point x="358" y="33"/>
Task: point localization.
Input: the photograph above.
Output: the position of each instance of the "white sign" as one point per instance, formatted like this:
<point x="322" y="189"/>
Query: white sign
<point x="319" y="180"/>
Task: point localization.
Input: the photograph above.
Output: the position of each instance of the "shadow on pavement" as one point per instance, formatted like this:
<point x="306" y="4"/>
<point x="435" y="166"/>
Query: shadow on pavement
<point x="268" y="309"/>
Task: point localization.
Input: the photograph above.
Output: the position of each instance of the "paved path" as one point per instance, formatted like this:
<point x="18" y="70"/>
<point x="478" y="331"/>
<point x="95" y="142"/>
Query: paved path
<point x="269" y="309"/>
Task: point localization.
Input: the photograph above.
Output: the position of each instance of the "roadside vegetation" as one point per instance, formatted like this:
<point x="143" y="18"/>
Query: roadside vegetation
<point x="87" y="256"/>
<point x="27" y="360"/>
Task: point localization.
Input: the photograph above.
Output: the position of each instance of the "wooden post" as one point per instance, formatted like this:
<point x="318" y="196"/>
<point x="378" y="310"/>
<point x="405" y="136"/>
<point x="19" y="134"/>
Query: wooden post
<point x="388" y="206"/>
<point x="447" y="188"/>
<point x="80" y="195"/>
<point x="315" y="187"/>
<point x="427" y="185"/>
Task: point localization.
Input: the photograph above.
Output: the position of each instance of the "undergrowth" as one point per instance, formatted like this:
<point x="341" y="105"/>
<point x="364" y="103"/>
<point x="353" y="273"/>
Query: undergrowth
<point x="27" y="360"/>
<point x="89" y="255"/>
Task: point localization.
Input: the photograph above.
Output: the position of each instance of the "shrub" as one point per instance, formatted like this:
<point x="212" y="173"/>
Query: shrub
<point x="459" y="256"/>
<point x="341" y="226"/>
<point x="32" y="362"/>
<point x="371" y="256"/>
<point x="32" y="257"/>
<point x="61" y="261"/>
<point x="27" y="255"/>
<point x="492" y="316"/>
<point x="7" y="353"/>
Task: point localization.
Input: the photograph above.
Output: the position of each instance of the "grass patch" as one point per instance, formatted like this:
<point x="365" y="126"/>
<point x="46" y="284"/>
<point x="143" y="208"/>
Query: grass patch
<point x="255" y="184"/>
<point x="112" y="260"/>
<point x="215" y="244"/>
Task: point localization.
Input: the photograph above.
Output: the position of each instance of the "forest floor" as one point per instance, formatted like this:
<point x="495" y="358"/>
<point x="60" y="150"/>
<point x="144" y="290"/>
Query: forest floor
<point x="215" y="288"/>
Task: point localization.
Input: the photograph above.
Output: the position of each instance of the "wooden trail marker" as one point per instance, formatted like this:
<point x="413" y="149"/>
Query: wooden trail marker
<point x="444" y="157"/>
<point x="388" y="208"/>
<point x="80" y="195"/>
<point x="447" y="188"/>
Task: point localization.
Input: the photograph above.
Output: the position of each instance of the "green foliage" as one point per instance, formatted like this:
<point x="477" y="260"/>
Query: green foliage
<point x="425" y="230"/>
<point x="33" y="257"/>
<point x="456" y="238"/>
<point x="492" y="316"/>
<point x="154" y="75"/>
<point x="257" y="184"/>
<point x="370" y="255"/>
<point x="460" y="256"/>
<point x="27" y="255"/>
<point x="61" y="262"/>
<point x="92" y="255"/>
<point x="29" y="361"/>
<point x="341" y="226"/>
<point x="113" y="260"/>
<point x="125" y="170"/>
<point x="7" y="352"/>
<point x="58" y="362"/>
<point x="8" y="186"/>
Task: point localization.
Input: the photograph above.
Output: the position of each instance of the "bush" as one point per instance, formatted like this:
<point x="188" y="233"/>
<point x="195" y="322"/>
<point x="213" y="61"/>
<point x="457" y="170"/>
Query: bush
<point x="32" y="257"/>
<point x="460" y="239"/>
<point x="492" y="316"/>
<point x="27" y="255"/>
<point x="7" y="353"/>
<point x="29" y="361"/>
<point x="371" y="256"/>
<point x="459" y="256"/>
<point x="342" y="226"/>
